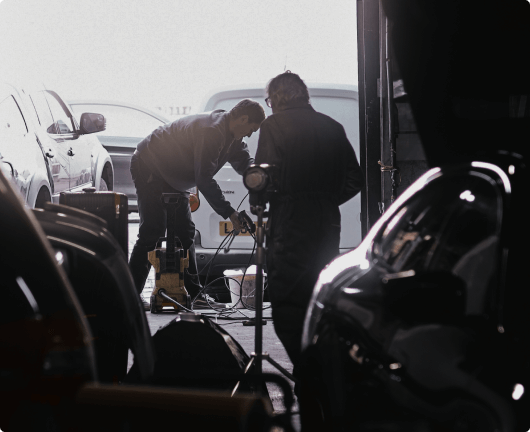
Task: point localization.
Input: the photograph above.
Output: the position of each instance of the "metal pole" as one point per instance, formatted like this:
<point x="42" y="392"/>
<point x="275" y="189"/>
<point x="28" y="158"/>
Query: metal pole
<point x="369" y="108"/>
<point x="390" y="109"/>
<point x="260" y="260"/>
<point x="380" y="85"/>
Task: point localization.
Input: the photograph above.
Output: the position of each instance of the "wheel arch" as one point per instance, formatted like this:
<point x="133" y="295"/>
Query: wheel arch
<point x="38" y="183"/>
<point x="103" y="169"/>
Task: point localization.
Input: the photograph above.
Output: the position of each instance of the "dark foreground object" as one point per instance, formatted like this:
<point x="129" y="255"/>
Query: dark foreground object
<point x="194" y="352"/>
<point x="112" y="207"/>
<point x="424" y="326"/>
<point x="134" y="408"/>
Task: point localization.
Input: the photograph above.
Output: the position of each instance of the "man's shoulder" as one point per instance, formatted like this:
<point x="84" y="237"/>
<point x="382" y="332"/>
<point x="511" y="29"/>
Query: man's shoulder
<point x="304" y="114"/>
<point x="207" y="117"/>
<point x="208" y="122"/>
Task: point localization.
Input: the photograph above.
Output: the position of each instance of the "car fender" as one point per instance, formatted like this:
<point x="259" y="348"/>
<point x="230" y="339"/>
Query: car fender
<point x="101" y="157"/>
<point x="38" y="181"/>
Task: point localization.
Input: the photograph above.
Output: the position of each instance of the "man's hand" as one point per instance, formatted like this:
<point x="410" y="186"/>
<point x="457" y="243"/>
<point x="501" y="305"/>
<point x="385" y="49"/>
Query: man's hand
<point x="234" y="218"/>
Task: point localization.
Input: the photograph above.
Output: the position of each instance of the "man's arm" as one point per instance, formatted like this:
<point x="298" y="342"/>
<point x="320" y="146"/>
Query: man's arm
<point x="240" y="158"/>
<point x="268" y="151"/>
<point x="207" y="149"/>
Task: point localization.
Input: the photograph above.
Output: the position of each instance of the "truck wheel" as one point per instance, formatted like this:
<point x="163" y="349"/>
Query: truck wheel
<point x="42" y="197"/>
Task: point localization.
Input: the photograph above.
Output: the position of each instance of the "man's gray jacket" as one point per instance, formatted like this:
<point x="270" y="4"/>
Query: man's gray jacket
<point x="191" y="150"/>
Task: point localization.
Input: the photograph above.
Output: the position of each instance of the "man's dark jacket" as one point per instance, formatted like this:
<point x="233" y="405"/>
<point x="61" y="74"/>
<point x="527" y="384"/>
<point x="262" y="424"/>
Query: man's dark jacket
<point x="191" y="150"/>
<point x="318" y="172"/>
<point x="314" y="155"/>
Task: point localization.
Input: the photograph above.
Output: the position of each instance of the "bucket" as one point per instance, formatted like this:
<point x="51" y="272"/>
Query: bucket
<point x="247" y="289"/>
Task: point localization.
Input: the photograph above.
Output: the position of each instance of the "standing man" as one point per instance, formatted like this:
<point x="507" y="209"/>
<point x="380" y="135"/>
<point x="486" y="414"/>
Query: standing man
<point x="318" y="172"/>
<point x="179" y="156"/>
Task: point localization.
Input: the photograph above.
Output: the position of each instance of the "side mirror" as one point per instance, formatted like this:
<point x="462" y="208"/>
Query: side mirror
<point x="7" y="168"/>
<point x="429" y="297"/>
<point x="92" y="122"/>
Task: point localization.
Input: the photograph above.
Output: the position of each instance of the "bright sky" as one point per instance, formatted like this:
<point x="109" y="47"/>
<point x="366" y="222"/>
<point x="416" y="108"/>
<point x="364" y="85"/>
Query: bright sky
<point x="160" y="52"/>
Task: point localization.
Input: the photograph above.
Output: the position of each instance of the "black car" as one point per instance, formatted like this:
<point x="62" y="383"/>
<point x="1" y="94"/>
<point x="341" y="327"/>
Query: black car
<point x="97" y="268"/>
<point x="420" y="327"/>
<point x="424" y="327"/>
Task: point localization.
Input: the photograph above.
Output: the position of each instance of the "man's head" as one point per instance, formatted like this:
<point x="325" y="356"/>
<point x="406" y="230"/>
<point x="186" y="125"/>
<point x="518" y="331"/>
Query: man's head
<point x="246" y="118"/>
<point x="285" y="89"/>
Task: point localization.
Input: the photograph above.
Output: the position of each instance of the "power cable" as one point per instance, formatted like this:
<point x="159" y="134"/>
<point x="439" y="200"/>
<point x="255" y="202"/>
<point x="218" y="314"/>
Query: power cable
<point x="222" y="312"/>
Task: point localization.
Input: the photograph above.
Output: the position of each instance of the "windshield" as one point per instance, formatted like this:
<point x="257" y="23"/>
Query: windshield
<point x="452" y="225"/>
<point x="121" y="121"/>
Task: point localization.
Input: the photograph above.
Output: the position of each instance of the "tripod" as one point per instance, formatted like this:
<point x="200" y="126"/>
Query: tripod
<point x="258" y="355"/>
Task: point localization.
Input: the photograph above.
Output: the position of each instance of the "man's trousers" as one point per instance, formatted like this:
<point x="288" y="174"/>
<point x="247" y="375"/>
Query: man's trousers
<point x="303" y="237"/>
<point x="153" y="220"/>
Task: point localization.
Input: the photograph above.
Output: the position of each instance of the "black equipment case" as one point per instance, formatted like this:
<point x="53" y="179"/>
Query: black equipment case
<point x="111" y="206"/>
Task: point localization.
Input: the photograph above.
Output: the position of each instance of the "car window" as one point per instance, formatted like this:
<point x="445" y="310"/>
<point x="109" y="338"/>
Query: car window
<point x="11" y="120"/>
<point x="440" y="224"/>
<point x="451" y="225"/>
<point x="43" y="111"/>
<point x="121" y="121"/>
<point x="62" y="122"/>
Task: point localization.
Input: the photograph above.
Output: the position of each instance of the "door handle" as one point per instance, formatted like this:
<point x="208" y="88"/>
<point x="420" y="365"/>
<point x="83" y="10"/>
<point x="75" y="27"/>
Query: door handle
<point x="50" y="154"/>
<point x="70" y="152"/>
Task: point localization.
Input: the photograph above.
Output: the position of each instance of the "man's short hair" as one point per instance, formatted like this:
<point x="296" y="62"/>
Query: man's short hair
<point x="287" y="88"/>
<point x="253" y="109"/>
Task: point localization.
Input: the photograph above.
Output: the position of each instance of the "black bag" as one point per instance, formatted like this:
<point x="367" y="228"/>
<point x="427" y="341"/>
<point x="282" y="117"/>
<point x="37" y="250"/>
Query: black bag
<point x="194" y="352"/>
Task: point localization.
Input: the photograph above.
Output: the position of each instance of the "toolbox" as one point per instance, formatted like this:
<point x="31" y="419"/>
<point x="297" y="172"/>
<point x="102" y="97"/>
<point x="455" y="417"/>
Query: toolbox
<point x="111" y="206"/>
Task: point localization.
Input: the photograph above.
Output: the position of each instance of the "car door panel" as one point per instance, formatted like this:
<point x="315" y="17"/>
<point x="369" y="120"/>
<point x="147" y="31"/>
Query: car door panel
<point x="19" y="148"/>
<point x="73" y="146"/>
<point x="53" y="144"/>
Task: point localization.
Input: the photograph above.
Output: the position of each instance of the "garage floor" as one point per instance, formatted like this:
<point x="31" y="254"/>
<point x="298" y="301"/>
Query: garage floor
<point x="245" y="335"/>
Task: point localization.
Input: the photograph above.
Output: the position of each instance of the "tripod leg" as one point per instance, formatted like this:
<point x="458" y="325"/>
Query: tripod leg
<point x="154" y="308"/>
<point x="280" y="368"/>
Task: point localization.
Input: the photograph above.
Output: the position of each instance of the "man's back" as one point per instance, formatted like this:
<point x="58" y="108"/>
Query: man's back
<point x="311" y="148"/>
<point x="172" y="150"/>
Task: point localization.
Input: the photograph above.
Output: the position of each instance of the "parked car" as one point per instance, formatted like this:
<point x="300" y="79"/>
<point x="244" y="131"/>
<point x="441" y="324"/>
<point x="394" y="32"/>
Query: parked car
<point x="127" y="125"/>
<point x="337" y="101"/>
<point x="424" y="325"/>
<point x="44" y="147"/>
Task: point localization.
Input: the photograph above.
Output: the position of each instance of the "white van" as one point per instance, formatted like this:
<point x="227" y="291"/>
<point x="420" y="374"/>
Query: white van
<point x="340" y="102"/>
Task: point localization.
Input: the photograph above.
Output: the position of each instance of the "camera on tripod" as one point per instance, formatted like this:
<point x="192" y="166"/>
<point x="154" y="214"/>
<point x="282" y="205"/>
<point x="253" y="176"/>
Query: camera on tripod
<point x="262" y="181"/>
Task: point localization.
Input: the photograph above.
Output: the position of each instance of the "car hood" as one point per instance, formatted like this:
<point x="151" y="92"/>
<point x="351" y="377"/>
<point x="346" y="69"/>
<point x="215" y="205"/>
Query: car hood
<point x="114" y="141"/>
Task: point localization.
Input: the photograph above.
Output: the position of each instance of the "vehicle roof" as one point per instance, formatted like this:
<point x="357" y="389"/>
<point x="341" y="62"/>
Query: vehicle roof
<point x="119" y="103"/>
<point x="349" y="91"/>
<point x="21" y="86"/>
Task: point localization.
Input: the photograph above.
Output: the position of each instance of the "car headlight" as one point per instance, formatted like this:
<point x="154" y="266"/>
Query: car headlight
<point x="330" y="278"/>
